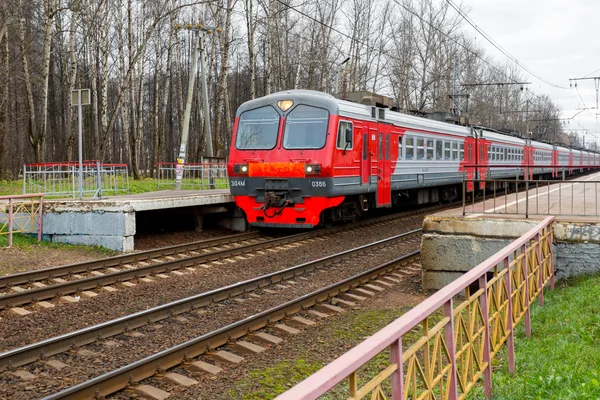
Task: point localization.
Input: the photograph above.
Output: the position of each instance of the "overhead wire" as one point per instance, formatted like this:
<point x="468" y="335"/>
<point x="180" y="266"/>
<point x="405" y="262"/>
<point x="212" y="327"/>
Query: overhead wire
<point x="499" y="47"/>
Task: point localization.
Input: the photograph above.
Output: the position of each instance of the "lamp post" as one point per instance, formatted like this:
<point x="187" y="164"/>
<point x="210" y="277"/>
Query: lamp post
<point x="80" y="97"/>
<point x="199" y="31"/>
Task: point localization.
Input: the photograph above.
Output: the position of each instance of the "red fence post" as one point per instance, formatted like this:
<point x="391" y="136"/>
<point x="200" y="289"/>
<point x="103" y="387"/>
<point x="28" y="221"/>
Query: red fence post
<point x="487" y="357"/>
<point x="397" y="377"/>
<point x="10" y="222"/>
<point x="449" y="336"/>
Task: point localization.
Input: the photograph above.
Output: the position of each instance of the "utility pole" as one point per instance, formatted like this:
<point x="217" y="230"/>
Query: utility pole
<point x="199" y="32"/>
<point x="596" y="84"/>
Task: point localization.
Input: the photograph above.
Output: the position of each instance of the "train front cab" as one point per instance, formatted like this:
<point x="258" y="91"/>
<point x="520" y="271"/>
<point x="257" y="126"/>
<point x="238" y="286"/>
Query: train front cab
<point x="300" y="157"/>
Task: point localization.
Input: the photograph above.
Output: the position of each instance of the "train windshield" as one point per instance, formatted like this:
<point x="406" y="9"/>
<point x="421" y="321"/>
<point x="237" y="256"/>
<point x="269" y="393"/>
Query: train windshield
<point x="257" y="129"/>
<point x="306" y="128"/>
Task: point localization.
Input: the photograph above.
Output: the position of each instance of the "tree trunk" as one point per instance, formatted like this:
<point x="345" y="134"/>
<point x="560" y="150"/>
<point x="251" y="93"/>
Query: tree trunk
<point x="250" y="41"/>
<point x="223" y="76"/>
<point x="72" y="79"/>
<point x="4" y="60"/>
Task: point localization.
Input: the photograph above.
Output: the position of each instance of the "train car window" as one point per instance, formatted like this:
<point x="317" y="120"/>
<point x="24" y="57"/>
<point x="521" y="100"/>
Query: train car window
<point x="410" y="148"/>
<point x="341" y="143"/>
<point x="380" y="146"/>
<point x="306" y="128"/>
<point x="454" y="151"/>
<point x="439" y="149"/>
<point x="420" y="149"/>
<point x="257" y="129"/>
<point x="447" y="152"/>
<point x="461" y="149"/>
<point x="505" y="154"/>
<point x="429" y="149"/>
<point x="365" y="145"/>
<point x="399" y="147"/>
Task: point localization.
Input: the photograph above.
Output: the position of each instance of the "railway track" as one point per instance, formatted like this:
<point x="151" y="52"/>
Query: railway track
<point x="60" y="282"/>
<point x="217" y="343"/>
<point x="31" y="353"/>
<point x="296" y="276"/>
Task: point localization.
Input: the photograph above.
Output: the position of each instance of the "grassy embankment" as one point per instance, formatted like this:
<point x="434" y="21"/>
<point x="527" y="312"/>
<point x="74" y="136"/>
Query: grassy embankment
<point x="561" y="360"/>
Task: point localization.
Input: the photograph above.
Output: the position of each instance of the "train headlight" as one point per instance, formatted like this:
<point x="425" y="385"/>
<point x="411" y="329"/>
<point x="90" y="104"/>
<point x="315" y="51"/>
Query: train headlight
<point x="312" y="169"/>
<point x="285" y="105"/>
<point x="240" y="168"/>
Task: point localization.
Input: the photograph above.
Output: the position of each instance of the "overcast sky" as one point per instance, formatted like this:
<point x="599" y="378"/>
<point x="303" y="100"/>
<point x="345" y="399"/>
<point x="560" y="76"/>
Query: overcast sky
<point x="556" y="40"/>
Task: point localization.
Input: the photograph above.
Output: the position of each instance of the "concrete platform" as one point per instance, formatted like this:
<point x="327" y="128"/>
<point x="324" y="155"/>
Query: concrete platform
<point x="453" y="244"/>
<point x="111" y="221"/>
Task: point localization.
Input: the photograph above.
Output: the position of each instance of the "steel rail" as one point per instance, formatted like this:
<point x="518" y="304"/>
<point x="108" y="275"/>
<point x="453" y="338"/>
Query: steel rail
<point x="77" y="286"/>
<point x="31" y="353"/>
<point x="123" y="377"/>
<point x="86" y="266"/>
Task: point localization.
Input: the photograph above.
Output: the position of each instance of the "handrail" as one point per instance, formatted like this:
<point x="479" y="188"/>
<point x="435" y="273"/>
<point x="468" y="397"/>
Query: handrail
<point x="520" y="281"/>
<point x="12" y="218"/>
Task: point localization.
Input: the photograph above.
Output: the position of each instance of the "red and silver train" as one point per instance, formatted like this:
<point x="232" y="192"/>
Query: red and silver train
<point x="300" y="158"/>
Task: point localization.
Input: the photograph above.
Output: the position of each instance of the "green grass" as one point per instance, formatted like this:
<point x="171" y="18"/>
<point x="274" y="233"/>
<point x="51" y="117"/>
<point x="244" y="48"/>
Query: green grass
<point x="143" y="185"/>
<point x="350" y="329"/>
<point x="11" y="187"/>
<point x="561" y="360"/>
<point x="29" y="242"/>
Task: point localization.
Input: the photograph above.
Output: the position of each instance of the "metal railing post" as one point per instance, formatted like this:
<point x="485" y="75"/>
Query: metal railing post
<point x="525" y="270"/>
<point x="40" y="218"/>
<point x="451" y="345"/>
<point x="509" y="320"/>
<point x="10" y="222"/>
<point x="487" y="357"/>
<point x="24" y="179"/>
<point x="99" y="180"/>
<point x="540" y="270"/>
<point x="464" y="196"/>
<point x="397" y="377"/>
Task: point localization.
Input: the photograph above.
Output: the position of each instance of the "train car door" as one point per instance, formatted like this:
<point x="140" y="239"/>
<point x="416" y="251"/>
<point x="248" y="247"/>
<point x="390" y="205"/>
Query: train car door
<point x="365" y="161"/>
<point x="384" y="176"/>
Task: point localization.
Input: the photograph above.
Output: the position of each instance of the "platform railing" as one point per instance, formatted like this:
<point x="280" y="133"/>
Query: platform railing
<point x="62" y="179"/>
<point x="21" y="213"/>
<point x="538" y="197"/>
<point x="196" y="176"/>
<point x="457" y="336"/>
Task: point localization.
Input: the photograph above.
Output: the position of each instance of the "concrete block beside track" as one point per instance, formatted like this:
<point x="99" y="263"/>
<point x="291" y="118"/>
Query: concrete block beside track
<point x="452" y="244"/>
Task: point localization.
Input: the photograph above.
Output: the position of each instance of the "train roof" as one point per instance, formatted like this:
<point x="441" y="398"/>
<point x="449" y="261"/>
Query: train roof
<point x="362" y="111"/>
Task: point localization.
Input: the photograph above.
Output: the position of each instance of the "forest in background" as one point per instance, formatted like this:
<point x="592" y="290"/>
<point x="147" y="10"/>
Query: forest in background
<point x="137" y="65"/>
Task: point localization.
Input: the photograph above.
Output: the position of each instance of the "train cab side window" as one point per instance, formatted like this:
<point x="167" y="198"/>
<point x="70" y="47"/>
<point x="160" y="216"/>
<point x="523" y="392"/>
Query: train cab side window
<point x="439" y="150"/>
<point x="410" y="148"/>
<point x="345" y="140"/>
<point x="399" y="147"/>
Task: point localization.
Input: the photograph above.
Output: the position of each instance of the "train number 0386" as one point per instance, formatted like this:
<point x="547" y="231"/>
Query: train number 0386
<point x="318" y="184"/>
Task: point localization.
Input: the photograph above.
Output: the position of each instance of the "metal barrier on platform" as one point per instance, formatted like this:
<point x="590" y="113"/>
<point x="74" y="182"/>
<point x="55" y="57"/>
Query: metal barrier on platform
<point x="458" y="336"/>
<point x="21" y="213"/>
<point x="61" y="179"/>
<point x="195" y="176"/>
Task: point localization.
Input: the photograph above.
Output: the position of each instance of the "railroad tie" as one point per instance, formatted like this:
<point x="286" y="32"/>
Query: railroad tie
<point x="248" y="347"/>
<point x="201" y="366"/>
<point x="181" y="380"/>
<point x="152" y="393"/>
